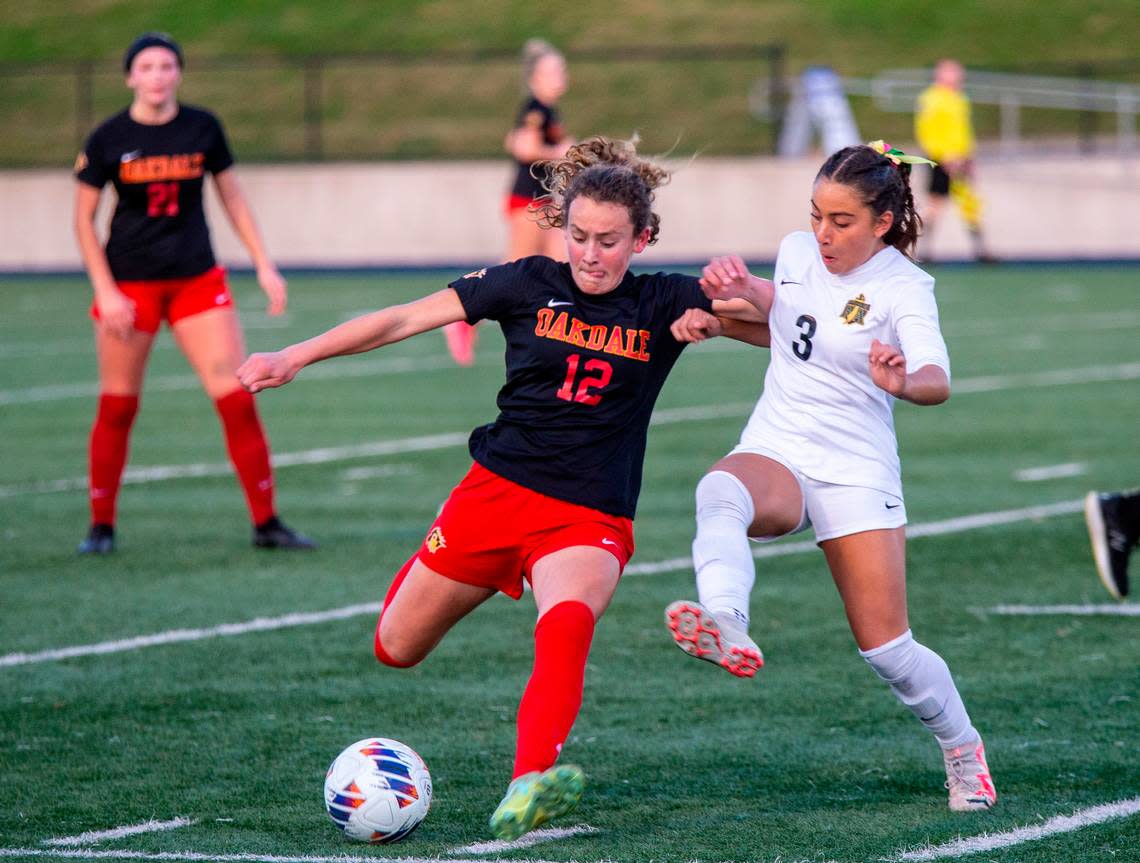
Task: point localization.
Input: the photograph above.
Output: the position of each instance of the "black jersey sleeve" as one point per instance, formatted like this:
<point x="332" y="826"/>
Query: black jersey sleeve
<point x="218" y="156"/>
<point x="492" y="292"/>
<point x="686" y="293"/>
<point x="91" y="165"/>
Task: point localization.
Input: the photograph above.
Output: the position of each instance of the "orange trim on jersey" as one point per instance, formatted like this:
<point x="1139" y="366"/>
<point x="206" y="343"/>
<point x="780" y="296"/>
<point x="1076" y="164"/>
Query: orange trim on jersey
<point x="630" y="343"/>
<point x="151" y="169"/>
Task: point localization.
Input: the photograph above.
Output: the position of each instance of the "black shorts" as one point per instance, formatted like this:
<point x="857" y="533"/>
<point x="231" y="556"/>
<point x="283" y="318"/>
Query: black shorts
<point x="939" y="181"/>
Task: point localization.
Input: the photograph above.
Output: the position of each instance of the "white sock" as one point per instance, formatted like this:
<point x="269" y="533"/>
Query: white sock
<point x="721" y="554"/>
<point x="920" y="679"/>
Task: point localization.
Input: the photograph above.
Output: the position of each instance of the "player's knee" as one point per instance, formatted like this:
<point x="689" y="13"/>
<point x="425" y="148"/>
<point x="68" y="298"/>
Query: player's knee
<point x="721" y="494"/>
<point x="393" y="651"/>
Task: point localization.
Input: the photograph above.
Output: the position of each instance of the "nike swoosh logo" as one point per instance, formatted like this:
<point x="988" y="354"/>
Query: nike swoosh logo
<point x="131" y="156"/>
<point x="889" y="506"/>
<point x="552" y="303"/>
<point x="790" y="282"/>
<point x="608" y="542"/>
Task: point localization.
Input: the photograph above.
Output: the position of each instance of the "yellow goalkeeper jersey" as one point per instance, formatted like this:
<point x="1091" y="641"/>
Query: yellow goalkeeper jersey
<point x="942" y="124"/>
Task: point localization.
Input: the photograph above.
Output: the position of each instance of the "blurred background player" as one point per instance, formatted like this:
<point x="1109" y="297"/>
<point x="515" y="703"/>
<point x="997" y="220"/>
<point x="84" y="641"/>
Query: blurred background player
<point x="945" y="132"/>
<point x="537" y="136"/>
<point x="553" y="490"/>
<point x="159" y="265"/>
<point x="854" y="326"/>
<point x="1113" y="519"/>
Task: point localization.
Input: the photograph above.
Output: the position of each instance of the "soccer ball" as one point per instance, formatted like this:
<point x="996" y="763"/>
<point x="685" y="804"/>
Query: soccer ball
<point x="378" y="790"/>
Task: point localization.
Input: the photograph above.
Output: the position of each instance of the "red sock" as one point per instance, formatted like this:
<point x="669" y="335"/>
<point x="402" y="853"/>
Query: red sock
<point x="553" y="695"/>
<point x="378" y="648"/>
<point x="249" y="452"/>
<point x="107" y="455"/>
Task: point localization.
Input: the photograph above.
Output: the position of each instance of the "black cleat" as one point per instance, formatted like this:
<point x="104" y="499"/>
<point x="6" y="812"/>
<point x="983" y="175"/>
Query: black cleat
<point x="100" y="540"/>
<point x="273" y="533"/>
<point x="1112" y="540"/>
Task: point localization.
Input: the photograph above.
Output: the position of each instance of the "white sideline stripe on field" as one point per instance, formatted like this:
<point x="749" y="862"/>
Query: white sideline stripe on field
<point x="196" y="857"/>
<point x="324" y="455"/>
<point x="264" y="624"/>
<point x="914" y="531"/>
<point x="159" y="473"/>
<point x="406" y="365"/>
<point x="93" y="836"/>
<point x="1067" y="610"/>
<point x="1052" y="471"/>
<point x="1055" y="825"/>
<point x="176" y="383"/>
<point x="174" y="636"/>
<point x="535" y="837"/>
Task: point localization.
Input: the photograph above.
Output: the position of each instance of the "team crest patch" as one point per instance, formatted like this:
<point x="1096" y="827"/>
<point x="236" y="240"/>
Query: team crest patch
<point x="856" y="310"/>
<point x="476" y="274"/>
<point x="435" y="540"/>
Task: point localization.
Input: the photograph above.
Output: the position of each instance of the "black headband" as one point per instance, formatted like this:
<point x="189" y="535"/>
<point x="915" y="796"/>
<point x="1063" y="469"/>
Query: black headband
<point x="151" y="40"/>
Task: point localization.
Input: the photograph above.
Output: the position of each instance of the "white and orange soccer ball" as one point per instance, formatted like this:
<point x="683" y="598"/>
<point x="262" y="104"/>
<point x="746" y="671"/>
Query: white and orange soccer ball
<point x="378" y="790"/>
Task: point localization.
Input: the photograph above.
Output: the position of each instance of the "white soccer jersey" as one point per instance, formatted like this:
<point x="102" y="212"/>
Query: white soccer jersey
<point x="820" y="410"/>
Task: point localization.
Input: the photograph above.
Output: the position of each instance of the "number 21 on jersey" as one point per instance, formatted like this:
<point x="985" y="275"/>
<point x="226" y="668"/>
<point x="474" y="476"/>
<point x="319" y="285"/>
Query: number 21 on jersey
<point x="162" y="199"/>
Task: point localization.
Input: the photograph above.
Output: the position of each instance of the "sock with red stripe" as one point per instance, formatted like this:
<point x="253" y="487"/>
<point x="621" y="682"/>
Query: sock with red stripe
<point x="249" y="452"/>
<point x="553" y="694"/>
<point x="107" y="454"/>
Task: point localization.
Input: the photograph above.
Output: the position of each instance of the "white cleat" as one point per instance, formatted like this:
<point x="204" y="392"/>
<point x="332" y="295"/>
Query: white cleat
<point x="968" y="778"/>
<point x="717" y="639"/>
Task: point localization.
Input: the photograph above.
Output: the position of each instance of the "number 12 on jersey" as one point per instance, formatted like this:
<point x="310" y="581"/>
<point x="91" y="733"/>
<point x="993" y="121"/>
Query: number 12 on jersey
<point x="588" y="382"/>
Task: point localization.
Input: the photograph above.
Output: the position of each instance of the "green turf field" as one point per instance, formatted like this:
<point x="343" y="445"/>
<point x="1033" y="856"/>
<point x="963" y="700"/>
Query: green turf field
<point x="813" y="761"/>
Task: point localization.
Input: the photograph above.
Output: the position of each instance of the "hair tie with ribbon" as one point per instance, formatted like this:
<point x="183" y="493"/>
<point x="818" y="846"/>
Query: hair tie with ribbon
<point x="897" y="156"/>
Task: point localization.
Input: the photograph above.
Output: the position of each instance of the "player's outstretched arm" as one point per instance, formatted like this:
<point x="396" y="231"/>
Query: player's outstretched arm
<point x="727" y="278"/>
<point x="697" y="325"/>
<point x="926" y="386"/>
<point x="364" y="333"/>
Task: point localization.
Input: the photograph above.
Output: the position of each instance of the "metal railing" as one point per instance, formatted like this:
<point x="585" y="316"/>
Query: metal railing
<point x="897" y="90"/>
<point x="455" y="104"/>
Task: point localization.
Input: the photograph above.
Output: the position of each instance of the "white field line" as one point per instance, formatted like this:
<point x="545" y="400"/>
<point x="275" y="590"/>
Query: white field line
<point x="93" y="836"/>
<point x="196" y="857"/>
<point x="1065" y="610"/>
<point x="174" y="636"/>
<point x="1052" y="471"/>
<point x="264" y="624"/>
<point x="1052" y="827"/>
<point x="324" y="455"/>
<point x="535" y="837"/>
<point x="172" y="383"/>
<point x="159" y="473"/>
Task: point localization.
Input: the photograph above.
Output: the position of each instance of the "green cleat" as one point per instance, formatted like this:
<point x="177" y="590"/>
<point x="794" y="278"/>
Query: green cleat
<point x="535" y="798"/>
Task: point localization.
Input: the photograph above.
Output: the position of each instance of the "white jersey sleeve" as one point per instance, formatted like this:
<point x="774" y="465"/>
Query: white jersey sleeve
<point x="916" y="327"/>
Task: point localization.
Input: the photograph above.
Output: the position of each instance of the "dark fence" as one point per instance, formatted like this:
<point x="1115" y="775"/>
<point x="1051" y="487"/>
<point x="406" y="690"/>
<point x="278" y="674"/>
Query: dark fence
<point x="388" y="106"/>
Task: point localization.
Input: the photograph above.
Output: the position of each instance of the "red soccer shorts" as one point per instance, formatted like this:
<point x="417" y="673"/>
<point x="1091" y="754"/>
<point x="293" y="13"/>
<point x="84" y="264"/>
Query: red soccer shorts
<point x="172" y="300"/>
<point x="491" y="531"/>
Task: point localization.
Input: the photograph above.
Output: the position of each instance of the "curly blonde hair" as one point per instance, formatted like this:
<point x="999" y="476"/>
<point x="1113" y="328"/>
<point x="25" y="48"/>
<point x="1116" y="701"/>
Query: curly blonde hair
<point x="608" y="171"/>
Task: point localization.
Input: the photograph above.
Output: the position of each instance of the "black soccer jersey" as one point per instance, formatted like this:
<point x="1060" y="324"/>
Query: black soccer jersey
<point x="535" y="115"/>
<point x="583" y="374"/>
<point x="159" y="228"/>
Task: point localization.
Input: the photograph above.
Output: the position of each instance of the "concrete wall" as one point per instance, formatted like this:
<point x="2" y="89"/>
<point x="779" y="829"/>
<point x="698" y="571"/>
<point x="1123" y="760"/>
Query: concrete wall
<point x="430" y="213"/>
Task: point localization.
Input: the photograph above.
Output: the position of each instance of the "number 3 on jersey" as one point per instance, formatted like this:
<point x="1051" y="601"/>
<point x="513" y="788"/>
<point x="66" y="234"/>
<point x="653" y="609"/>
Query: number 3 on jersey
<point x="801" y="347"/>
<point x="582" y="395"/>
<point x="162" y="199"/>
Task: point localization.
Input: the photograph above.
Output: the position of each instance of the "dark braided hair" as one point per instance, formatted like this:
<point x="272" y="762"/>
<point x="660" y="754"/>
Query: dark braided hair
<point x="608" y="171"/>
<point x="883" y="186"/>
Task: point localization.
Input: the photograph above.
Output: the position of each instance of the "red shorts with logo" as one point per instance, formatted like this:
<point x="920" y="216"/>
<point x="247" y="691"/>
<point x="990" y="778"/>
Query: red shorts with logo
<point x="171" y="300"/>
<point x="514" y="203"/>
<point x="491" y="531"/>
